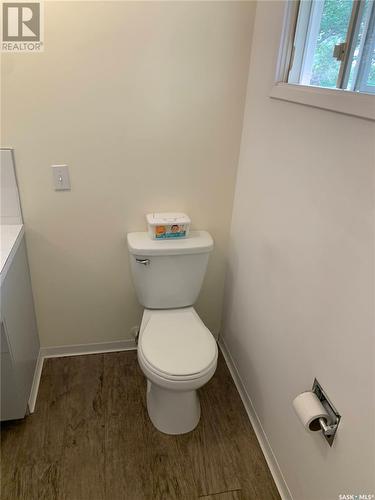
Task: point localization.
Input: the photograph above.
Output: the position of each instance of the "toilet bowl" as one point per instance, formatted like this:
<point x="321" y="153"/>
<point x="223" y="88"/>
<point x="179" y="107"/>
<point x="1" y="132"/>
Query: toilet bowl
<point x="176" y="352"/>
<point x="178" y="355"/>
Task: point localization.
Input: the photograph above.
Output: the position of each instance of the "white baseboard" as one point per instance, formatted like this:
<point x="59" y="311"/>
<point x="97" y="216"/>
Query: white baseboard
<point x="73" y="350"/>
<point x="257" y="426"/>
<point x="81" y="349"/>
<point x="35" y="384"/>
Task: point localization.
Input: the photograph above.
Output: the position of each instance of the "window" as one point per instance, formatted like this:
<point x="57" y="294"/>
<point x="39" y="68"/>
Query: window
<point x="334" y="45"/>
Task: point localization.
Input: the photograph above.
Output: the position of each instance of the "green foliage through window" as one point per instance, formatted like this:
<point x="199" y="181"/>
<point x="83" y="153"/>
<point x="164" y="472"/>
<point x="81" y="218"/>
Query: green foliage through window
<point x="334" y="45"/>
<point x="333" y="29"/>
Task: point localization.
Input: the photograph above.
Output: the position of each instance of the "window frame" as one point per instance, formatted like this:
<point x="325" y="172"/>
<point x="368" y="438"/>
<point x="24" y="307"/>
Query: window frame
<point x="363" y="70"/>
<point x="341" y="101"/>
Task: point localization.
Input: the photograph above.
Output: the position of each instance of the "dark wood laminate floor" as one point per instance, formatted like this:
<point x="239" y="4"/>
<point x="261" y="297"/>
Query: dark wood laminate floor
<point x="90" y="439"/>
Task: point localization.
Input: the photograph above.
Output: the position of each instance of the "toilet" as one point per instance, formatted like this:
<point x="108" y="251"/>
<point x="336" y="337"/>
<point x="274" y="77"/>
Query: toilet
<point x="176" y="351"/>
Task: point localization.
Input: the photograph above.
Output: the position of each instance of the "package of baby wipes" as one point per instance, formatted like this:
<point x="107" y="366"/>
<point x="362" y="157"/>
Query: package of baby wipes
<point x="168" y="225"/>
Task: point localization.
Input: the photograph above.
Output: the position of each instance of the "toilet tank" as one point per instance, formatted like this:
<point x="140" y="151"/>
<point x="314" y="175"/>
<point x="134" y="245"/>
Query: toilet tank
<point x="168" y="274"/>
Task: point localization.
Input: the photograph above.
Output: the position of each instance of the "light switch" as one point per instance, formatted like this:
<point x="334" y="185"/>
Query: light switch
<point x="61" y="179"/>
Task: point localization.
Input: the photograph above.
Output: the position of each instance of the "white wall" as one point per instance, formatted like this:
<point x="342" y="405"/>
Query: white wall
<point x="300" y="284"/>
<point x="144" y="101"/>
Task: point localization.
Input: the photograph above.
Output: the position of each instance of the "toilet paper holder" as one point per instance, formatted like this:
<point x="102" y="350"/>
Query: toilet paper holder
<point x="329" y="429"/>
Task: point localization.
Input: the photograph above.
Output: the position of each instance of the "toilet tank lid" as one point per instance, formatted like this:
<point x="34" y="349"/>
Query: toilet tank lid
<point x="196" y="242"/>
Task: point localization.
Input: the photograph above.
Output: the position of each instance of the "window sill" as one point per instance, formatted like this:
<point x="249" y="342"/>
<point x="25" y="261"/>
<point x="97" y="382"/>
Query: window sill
<point x="340" y="101"/>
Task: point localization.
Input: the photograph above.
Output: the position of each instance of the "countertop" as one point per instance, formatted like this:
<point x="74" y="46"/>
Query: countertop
<point x="10" y="238"/>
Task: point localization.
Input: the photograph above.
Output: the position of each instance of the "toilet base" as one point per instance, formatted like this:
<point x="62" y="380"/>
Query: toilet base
<point x="172" y="412"/>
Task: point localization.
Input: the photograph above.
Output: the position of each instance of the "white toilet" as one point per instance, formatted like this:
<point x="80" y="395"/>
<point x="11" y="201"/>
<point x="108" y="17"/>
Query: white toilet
<point x="176" y="352"/>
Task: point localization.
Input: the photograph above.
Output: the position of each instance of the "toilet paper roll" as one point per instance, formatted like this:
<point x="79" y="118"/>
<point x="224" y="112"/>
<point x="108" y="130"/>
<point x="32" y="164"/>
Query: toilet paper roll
<point x="309" y="409"/>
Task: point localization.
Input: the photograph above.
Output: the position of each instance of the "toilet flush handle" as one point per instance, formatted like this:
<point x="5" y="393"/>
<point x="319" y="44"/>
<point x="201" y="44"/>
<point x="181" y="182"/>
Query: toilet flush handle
<point x="145" y="262"/>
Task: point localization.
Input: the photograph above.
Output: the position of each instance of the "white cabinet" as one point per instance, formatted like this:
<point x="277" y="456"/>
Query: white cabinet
<point x="19" y="336"/>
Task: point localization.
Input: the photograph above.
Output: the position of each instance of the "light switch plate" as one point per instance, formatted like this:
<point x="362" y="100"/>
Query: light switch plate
<point x="61" y="180"/>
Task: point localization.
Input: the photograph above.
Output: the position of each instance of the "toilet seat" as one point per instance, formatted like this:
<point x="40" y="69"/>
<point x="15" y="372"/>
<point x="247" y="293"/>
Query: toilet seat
<point x="176" y="345"/>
